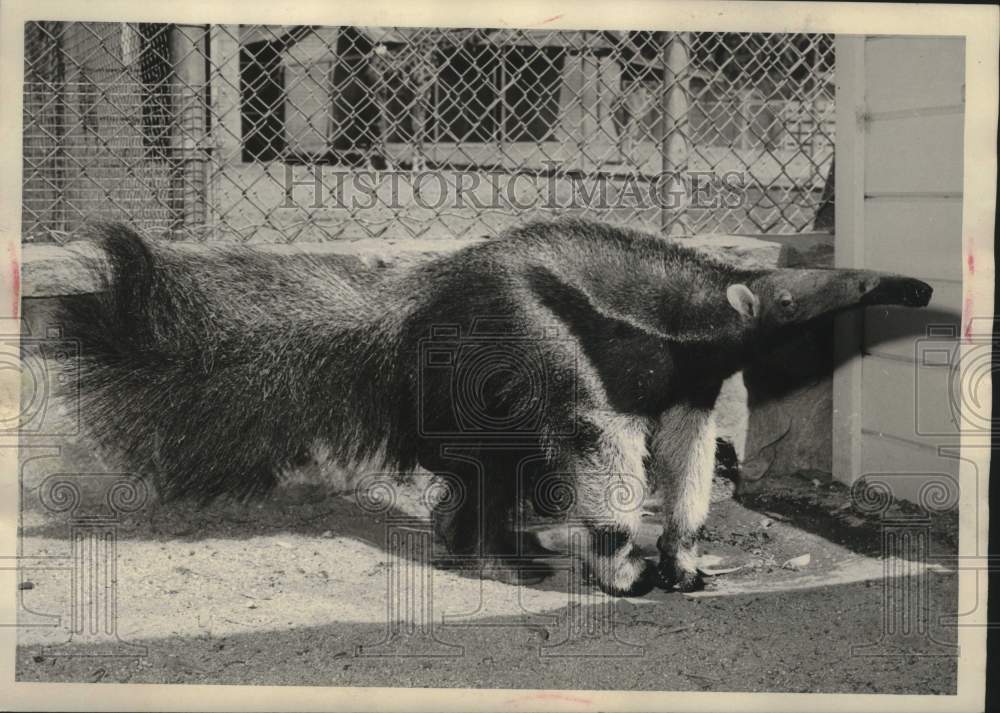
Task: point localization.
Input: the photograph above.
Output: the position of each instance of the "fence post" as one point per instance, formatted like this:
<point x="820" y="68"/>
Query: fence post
<point x="187" y="190"/>
<point x="227" y="128"/>
<point x="674" y="145"/>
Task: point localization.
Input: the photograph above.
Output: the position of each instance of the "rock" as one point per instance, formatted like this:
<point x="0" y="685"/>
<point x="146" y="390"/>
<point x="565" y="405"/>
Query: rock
<point x="732" y="414"/>
<point x="807" y="250"/>
<point x="797" y="562"/>
<point x="790" y="390"/>
<point x="805" y="413"/>
<point x="740" y="250"/>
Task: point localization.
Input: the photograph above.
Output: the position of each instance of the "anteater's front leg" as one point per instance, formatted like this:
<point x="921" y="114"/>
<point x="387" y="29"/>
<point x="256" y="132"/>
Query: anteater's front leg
<point x="606" y="476"/>
<point x="683" y="462"/>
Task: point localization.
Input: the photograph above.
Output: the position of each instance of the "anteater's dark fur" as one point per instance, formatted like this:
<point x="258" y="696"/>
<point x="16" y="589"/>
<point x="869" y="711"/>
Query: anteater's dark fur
<point x="230" y="362"/>
<point x="217" y="369"/>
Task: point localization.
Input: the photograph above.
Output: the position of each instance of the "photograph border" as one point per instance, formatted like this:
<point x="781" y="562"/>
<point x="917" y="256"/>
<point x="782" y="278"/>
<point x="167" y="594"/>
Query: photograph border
<point x="979" y="26"/>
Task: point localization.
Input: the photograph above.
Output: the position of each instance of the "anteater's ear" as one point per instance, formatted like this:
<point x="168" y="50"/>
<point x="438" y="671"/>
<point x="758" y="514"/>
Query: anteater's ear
<point x="743" y="300"/>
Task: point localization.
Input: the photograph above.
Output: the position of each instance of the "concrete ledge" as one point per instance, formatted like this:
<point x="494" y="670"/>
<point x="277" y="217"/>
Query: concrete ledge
<point x="57" y="270"/>
<point x="60" y="270"/>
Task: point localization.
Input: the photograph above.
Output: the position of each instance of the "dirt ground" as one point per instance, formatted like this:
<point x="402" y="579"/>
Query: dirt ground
<point x="299" y="590"/>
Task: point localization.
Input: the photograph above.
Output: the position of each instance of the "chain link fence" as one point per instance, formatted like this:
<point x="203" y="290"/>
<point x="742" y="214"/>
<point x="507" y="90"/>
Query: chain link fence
<point x="280" y="133"/>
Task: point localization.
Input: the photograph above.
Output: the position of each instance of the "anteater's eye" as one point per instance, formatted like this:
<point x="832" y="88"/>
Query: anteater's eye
<point x="785" y="300"/>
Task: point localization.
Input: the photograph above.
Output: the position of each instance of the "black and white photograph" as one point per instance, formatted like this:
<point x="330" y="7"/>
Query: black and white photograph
<point x="518" y="357"/>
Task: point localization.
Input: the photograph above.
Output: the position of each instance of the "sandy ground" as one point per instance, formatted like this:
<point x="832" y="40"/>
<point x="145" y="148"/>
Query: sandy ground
<point x="302" y="589"/>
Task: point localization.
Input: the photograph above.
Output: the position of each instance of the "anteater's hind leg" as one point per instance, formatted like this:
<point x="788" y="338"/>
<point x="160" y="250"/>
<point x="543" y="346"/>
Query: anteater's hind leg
<point x="606" y="474"/>
<point x="473" y="520"/>
<point x="683" y="460"/>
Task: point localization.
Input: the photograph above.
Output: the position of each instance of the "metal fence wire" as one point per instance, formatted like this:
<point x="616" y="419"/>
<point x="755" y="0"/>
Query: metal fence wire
<point x="280" y="133"/>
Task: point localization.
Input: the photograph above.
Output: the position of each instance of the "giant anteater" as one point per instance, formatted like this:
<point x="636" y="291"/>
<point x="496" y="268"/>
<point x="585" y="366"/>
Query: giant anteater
<point x="562" y="360"/>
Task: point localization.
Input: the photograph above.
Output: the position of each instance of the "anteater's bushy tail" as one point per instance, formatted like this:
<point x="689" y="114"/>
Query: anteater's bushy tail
<point x="215" y="369"/>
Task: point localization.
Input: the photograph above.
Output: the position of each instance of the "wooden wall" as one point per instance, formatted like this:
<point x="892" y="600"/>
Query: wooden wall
<point x="900" y="115"/>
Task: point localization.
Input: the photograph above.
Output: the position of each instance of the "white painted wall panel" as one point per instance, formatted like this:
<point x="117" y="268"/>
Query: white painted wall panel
<point x="921" y="407"/>
<point x="915" y="154"/>
<point x="934" y="75"/>
<point x="930" y="229"/>
<point x="900" y="141"/>
<point x="905" y="469"/>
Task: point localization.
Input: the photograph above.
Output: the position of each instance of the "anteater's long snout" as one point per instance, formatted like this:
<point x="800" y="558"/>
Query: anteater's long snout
<point x="795" y="296"/>
<point x="895" y="290"/>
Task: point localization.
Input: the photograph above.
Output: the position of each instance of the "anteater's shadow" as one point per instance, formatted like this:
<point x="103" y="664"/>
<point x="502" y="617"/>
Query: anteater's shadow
<point x="317" y="515"/>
